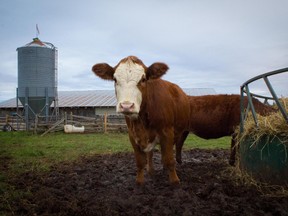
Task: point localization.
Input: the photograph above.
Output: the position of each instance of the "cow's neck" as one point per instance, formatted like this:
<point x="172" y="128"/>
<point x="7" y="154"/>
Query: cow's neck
<point x="142" y="119"/>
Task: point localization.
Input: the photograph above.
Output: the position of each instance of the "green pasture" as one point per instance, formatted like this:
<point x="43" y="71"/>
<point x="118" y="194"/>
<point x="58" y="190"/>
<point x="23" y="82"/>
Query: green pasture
<point x="25" y="151"/>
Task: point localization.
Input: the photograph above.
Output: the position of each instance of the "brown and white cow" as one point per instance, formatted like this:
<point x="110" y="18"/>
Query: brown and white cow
<point x="155" y="110"/>
<point x="215" y="116"/>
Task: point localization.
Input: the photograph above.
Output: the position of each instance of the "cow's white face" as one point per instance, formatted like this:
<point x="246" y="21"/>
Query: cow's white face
<point x="127" y="77"/>
<point x="130" y="77"/>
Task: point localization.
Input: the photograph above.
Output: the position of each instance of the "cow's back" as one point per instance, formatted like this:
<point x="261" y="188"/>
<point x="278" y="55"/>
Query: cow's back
<point x="167" y="105"/>
<point x="260" y="108"/>
<point x="214" y="116"/>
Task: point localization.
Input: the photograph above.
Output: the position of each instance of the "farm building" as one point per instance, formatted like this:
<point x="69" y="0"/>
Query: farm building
<point x="87" y="103"/>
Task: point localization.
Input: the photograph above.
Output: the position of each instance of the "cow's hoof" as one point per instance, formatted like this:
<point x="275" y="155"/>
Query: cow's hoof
<point x="175" y="183"/>
<point x="151" y="172"/>
<point x="232" y="162"/>
<point x="179" y="161"/>
<point x="140" y="177"/>
<point x="174" y="180"/>
<point x="139" y="183"/>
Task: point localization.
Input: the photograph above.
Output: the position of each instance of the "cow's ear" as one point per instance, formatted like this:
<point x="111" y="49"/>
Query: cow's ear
<point x="156" y="70"/>
<point x="104" y="71"/>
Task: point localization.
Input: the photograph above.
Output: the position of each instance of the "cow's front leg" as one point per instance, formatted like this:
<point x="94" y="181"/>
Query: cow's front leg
<point x="167" y="143"/>
<point x="141" y="161"/>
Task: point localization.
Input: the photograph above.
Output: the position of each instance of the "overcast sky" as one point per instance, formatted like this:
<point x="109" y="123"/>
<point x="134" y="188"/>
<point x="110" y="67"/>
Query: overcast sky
<point x="216" y="44"/>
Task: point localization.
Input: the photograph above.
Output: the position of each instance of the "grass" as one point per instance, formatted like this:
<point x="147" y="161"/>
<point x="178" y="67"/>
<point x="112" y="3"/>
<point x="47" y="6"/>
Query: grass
<point x="193" y="141"/>
<point x="28" y="152"/>
<point x="32" y="152"/>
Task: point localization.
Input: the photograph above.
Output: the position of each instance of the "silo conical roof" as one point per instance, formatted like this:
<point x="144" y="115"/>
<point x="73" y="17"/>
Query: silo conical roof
<point x="36" y="42"/>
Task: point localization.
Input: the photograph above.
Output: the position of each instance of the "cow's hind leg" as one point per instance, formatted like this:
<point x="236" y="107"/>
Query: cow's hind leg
<point x="179" y="145"/>
<point x="233" y="150"/>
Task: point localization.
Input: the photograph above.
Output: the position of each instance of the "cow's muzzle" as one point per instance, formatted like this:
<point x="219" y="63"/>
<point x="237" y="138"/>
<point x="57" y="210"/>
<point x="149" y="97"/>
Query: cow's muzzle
<point x="127" y="108"/>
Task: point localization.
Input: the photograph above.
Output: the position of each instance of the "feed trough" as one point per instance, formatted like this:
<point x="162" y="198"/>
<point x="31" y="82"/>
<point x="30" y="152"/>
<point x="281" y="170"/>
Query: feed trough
<point x="263" y="141"/>
<point x="266" y="159"/>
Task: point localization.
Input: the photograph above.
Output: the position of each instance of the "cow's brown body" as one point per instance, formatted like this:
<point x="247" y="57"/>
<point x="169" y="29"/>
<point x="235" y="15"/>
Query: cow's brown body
<point x="163" y="115"/>
<point x="215" y="116"/>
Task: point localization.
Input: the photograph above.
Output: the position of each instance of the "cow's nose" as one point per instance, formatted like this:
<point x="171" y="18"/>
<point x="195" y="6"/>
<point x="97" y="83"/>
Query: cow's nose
<point x="126" y="107"/>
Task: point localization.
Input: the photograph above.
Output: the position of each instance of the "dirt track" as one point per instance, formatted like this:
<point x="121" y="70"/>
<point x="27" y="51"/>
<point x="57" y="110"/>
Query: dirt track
<point x="105" y="185"/>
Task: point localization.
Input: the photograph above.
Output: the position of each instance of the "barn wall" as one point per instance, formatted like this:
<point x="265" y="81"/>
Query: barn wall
<point x="81" y="111"/>
<point x="7" y="111"/>
<point x="103" y="110"/>
<point x="88" y="111"/>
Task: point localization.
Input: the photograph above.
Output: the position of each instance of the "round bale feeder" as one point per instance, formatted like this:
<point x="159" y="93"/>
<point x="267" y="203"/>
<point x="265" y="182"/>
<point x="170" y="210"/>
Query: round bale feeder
<point x="263" y="152"/>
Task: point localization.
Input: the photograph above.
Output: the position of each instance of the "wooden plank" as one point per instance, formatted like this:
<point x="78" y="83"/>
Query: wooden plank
<point x="54" y="126"/>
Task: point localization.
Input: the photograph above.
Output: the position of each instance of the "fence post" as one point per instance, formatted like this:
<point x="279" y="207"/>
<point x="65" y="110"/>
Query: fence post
<point x="7" y="119"/>
<point x="105" y="122"/>
<point x="65" y="118"/>
<point x="35" y="124"/>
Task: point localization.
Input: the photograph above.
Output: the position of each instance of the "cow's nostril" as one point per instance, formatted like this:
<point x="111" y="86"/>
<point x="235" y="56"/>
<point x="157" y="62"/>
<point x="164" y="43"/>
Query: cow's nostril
<point x="127" y="106"/>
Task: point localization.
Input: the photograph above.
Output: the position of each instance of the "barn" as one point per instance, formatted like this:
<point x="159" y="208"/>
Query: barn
<point x="87" y="103"/>
<point x="90" y="103"/>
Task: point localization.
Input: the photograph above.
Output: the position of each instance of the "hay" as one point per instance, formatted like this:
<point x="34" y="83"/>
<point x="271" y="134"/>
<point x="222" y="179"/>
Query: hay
<point x="242" y="178"/>
<point x="273" y="125"/>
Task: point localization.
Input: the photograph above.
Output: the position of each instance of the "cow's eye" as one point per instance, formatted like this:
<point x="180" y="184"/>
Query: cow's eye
<point x="143" y="79"/>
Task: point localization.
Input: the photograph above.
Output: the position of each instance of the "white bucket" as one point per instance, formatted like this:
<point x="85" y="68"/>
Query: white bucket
<point x="73" y="129"/>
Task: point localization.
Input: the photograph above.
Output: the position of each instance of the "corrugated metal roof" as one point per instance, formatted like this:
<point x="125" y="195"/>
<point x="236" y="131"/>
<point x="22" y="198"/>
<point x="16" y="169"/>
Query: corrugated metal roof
<point x="97" y="98"/>
<point x="11" y="103"/>
<point x="93" y="98"/>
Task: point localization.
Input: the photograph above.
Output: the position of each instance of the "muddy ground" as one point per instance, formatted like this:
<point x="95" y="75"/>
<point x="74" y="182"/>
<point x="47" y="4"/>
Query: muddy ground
<point x="105" y="185"/>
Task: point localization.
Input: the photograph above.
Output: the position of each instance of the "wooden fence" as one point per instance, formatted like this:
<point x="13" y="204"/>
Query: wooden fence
<point x="12" y="123"/>
<point x="97" y="124"/>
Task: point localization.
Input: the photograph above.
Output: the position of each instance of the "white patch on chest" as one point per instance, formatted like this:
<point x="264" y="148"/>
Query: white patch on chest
<point x="151" y="145"/>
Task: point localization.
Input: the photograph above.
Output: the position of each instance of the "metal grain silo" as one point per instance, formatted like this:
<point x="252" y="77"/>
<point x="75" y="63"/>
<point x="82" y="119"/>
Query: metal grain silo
<point x="37" y="77"/>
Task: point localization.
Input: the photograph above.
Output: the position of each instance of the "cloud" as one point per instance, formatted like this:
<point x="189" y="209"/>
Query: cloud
<point x="217" y="44"/>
